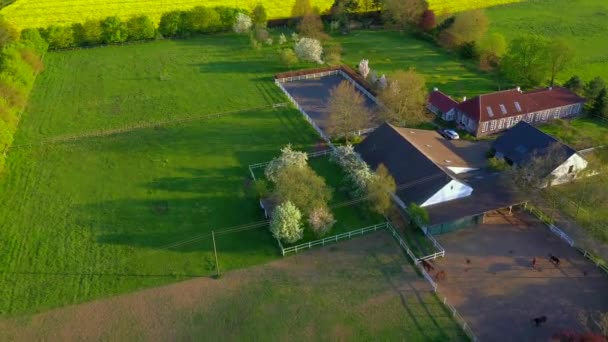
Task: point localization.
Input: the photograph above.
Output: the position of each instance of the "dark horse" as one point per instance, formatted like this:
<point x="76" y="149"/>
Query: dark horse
<point x="554" y="260"/>
<point x="539" y="320"/>
<point x="427" y="267"/>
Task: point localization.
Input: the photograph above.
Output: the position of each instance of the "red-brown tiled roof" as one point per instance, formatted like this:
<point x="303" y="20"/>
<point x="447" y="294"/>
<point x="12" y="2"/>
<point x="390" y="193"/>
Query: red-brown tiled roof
<point x="441" y="101"/>
<point x="508" y="103"/>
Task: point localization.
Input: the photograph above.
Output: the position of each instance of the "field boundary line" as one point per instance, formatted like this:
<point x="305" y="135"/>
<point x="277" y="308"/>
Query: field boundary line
<point x="144" y="125"/>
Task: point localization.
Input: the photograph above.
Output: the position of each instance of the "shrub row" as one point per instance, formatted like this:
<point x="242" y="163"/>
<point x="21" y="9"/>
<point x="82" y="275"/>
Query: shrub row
<point x="112" y="30"/>
<point x="20" y="62"/>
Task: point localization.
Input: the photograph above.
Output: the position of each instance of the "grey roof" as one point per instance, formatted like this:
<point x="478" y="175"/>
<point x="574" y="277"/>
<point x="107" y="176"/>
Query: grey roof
<point x="417" y="177"/>
<point x="523" y="141"/>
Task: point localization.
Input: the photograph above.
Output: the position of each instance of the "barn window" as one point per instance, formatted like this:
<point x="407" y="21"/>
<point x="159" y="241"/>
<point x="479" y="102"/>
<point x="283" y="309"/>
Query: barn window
<point x="503" y="109"/>
<point x="571" y="169"/>
<point x="518" y="106"/>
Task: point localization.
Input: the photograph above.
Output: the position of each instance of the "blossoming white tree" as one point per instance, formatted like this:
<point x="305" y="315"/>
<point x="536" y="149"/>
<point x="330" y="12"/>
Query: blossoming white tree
<point x="287" y="157"/>
<point x="282" y="39"/>
<point x="364" y="68"/>
<point x="309" y="49"/>
<point x="242" y="23"/>
<point x="383" y="82"/>
<point x="286" y="223"/>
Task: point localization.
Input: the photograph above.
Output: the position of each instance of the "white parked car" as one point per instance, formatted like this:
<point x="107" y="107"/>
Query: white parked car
<point x="449" y="134"/>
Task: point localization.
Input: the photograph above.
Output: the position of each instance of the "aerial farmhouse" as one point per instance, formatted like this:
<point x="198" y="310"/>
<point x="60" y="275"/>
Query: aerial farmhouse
<point x="495" y="112"/>
<point x="523" y="142"/>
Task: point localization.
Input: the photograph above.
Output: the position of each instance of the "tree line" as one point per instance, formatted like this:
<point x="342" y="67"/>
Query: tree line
<point x="20" y="62"/>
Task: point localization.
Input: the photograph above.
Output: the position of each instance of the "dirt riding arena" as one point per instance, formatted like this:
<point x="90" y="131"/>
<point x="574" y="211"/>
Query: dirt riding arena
<point x="362" y="289"/>
<point x="313" y="95"/>
<point x="491" y="281"/>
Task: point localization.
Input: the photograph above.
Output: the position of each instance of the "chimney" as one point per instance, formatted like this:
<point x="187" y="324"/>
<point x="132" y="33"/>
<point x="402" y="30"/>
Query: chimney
<point x="464" y="99"/>
<point x="519" y="89"/>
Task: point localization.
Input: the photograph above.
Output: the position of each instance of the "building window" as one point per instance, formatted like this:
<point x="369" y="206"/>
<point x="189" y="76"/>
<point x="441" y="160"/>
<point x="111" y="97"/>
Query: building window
<point x="531" y="117"/>
<point x="501" y="123"/>
<point x="509" y="122"/>
<point x="492" y="125"/>
<point x="484" y="127"/>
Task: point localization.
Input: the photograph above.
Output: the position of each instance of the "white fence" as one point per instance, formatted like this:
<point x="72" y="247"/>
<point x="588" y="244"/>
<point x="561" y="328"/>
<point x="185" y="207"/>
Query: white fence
<point x="441" y="250"/>
<point x="264" y="164"/>
<point x="330" y="239"/>
<point x="463" y="324"/>
<point x="306" y="116"/>
<point x="561" y="234"/>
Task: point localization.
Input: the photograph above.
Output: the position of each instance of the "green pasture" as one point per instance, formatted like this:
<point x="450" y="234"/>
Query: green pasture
<point x="390" y="51"/>
<point x="583" y="23"/>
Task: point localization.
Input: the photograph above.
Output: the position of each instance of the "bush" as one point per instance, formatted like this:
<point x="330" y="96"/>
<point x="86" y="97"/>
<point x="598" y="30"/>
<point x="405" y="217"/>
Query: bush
<point x="113" y="30"/>
<point x="170" y="24"/>
<point x="31" y="38"/>
<point x="497" y="164"/>
<point x="202" y="20"/>
<point x="261" y="34"/>
<point x="141" y="28"/>
<point x="91" y="32"/>
<point x="59" y="37"/>
<point x="227" y="17"/>
<point x="8" y="34"/>
<point x="259" y="15"/>
<point x="333" y="54"/>
<point x="309" y="49"/>
<point x="288" y="57"/>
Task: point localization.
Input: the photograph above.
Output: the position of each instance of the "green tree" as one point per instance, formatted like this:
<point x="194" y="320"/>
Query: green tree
<point x="31" y="38"/>
<point x="403" y="14"/>
<point x="301" y="8"/>
<point x="468" y="27"/>
<point x="405" y="98"/>
<point x="141" y="28"/>
<point x="302" y="187"/>
<point x="288" y="57"/>
<point x="418" y="214"/>
<point x="600" y="105"/>
<point x="59" y="37"/>
<point x="491" y="49"/>
<point x="593" y="89"/>
<point x="286" y="223"/>
<point x="575" y="84"/>
<point x="526" y="62"/>
<point x="92" y="32"/>
<point x="380" y="189"/>
<point x="560" y="55"/>
<point x="348" y="112"/>
<point x="170" y="24"/>
<point x="259" y="15"/>
<point x="113" y="30"/>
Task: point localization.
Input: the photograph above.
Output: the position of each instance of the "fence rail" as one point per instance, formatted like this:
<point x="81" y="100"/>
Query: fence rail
<point x="438" y="247"/>
<point x="330" y="239"/>
<point x="459" y="319"/>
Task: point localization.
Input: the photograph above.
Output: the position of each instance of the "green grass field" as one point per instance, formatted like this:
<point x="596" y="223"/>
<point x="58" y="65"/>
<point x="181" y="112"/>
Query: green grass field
<point x="581" y="22"/>
<point x="81" y="220"/>
<point x="390" y="51"/>
<point x="579" y="133"/>
<point x="42" y="13"/>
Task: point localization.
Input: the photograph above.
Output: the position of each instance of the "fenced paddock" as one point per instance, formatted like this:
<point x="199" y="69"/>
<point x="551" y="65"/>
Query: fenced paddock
<point x="309" y="91"/>
<point x="491" y="282"/>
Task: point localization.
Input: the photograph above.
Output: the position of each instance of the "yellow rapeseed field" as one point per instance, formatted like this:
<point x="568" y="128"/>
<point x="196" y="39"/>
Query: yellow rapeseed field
<point x="42" y="13"/>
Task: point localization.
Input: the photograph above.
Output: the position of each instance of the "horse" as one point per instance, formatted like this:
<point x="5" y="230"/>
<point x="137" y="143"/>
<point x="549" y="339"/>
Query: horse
<point x="554" y="260"/>
<point x="427" y="267"/>
<point x="539" y="320"/>
<point x="441" y="275"/>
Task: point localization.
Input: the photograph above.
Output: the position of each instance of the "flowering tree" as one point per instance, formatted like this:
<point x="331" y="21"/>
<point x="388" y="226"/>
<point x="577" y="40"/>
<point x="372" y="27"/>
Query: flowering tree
<point x="321" y="220"/>
<point x="295" y="37"/>
<point x="309" y="49"/>
<point x="358" y="173"/>
<point x="286" y="223"/>
<point x="364" y="68"/>
<point x="287" y="157"/>
<point x="243" y="23"/>
<point x="383" y="82"/>
<point x="282" y="39"/>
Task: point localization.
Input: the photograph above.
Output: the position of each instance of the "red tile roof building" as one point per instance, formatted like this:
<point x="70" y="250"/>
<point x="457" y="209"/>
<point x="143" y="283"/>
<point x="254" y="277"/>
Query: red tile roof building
<point x="495" y="112"/>
<point x="442" y="105"/>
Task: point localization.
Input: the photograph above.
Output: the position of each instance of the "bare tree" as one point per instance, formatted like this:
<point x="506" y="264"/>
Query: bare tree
<point x="347" y="111"/>
<point x="405" y="98"/>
